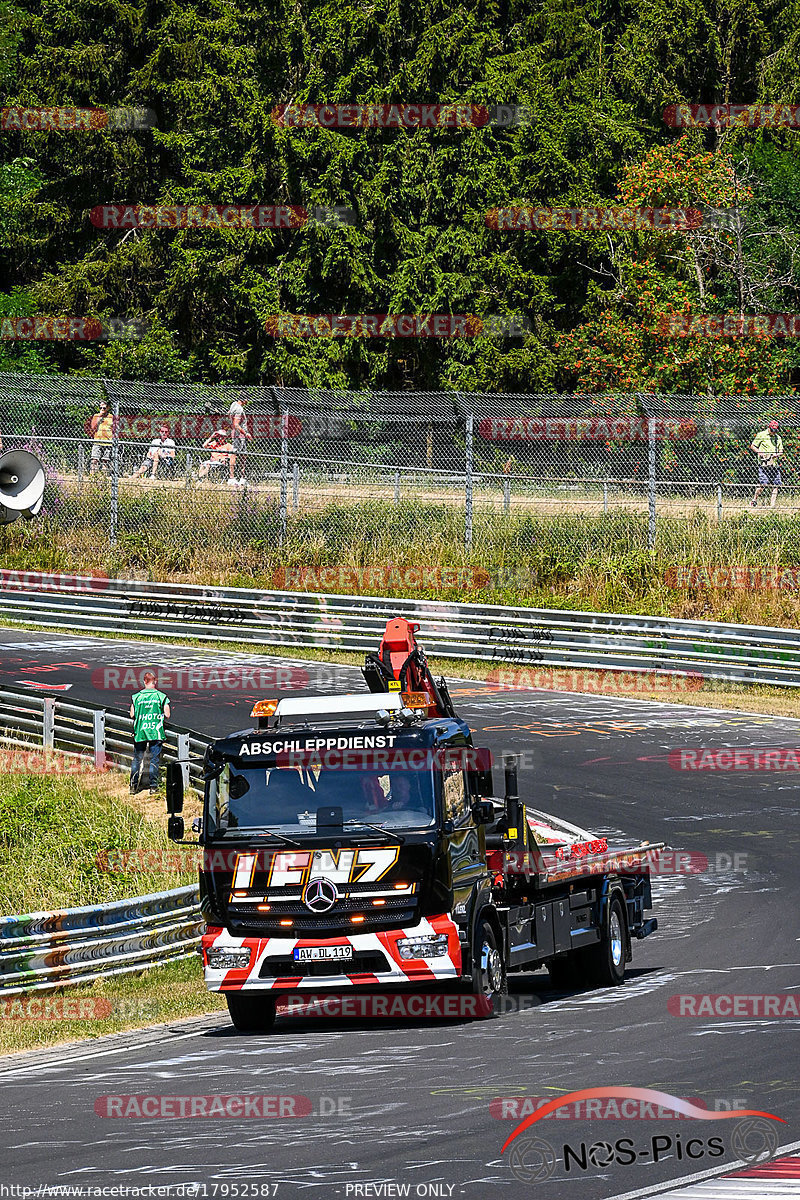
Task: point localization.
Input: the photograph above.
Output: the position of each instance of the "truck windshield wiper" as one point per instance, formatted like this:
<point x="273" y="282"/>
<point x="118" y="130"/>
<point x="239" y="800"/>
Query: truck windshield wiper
<point x="281" y="838"/>
<point x="378" y="829"/>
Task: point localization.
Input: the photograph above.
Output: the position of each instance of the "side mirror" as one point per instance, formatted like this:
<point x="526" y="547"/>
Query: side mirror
<point x="175" y="829"/>
<point x="483" y="812"/>
<point x="481" y="770"/>
<point x="175" y="790"/>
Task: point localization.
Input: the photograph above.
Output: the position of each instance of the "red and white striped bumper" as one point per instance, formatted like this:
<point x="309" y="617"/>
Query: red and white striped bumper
<point x="399" y="970"/>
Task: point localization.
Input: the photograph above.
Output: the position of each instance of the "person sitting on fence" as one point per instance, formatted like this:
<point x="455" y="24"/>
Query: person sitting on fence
<point x="161" y="453"/>
<point x="769" y="447"/>
<point x="221" y="446"/>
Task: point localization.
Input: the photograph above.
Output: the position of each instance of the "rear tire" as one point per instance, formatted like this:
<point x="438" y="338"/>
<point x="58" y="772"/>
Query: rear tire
<point x="604" y="964"/>
<point x="251" y="1013"/>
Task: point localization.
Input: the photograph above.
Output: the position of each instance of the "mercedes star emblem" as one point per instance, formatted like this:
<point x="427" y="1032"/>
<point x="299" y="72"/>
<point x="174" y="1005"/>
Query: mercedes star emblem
<point x="320" y="895"/>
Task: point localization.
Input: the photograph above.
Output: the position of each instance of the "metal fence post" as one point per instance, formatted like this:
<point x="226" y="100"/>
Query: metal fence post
<point x="295" y="487"/>
<point x="284" y="470"/>
<point x="188" y="469"/>
<point x="114" y="514"/>
<point x="468" y="481"/>
<point x="182" y="740"/>
<point x="99" y="738"/>
<point x="49" y="723"/>
<point x="507" y="495"/>
<point x="719" y="503"/>
<point x="605" y="495"/>
<point x="80" y="462"/>
<point x="397" y="487"/>
<point x="651" y="489"/>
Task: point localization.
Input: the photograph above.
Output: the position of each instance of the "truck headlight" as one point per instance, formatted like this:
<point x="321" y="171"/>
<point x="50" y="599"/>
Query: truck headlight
<point x="225" y="960"/>
<point x="427" y="946"/>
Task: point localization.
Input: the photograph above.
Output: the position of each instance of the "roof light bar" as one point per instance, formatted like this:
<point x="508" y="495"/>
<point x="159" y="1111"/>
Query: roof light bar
<point x="369" y="702"/>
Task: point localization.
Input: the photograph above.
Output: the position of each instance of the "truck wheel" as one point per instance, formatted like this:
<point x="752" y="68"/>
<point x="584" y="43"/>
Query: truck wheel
<point x="488" y="969"/>
<point x="604" y="964"/>
<point x="251" y="1014"/>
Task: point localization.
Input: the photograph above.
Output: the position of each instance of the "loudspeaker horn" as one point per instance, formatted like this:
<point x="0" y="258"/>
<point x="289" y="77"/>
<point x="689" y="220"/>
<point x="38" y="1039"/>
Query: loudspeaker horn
<point x="21" y="484"/>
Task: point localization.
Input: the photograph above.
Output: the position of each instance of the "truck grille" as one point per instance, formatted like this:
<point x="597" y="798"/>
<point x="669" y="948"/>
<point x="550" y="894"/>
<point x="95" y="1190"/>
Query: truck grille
<point x="398" y="912"/>
<point x="367" y="963"/>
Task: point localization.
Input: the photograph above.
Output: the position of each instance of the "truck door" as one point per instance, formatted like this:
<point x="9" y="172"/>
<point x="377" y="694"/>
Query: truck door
<point x="465" y="847"/>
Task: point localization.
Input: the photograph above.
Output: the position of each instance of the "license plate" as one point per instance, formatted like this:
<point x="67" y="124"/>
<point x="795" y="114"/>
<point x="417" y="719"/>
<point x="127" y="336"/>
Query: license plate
<point x="317" y="953"/>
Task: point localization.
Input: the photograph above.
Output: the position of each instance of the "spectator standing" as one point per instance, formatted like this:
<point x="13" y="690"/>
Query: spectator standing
<point x="161" y="452"/>
<point x="101" y="427"/>
<point x="240" y="436"/>
<point x="149" y="709"/>
<point x="768" y="445"/>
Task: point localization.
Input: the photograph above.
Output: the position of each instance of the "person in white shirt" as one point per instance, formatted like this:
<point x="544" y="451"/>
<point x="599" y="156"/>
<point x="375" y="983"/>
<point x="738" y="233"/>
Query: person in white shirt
<point x="162" y="451"/>
<point x="240" y="437"/>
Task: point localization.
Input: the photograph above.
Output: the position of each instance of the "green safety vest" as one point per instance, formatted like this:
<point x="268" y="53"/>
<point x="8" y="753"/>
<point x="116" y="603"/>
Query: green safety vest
<point x="148" y="715"/>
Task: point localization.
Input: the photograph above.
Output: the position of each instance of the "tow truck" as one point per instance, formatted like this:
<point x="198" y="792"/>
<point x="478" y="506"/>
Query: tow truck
<point x="355" y="842"/>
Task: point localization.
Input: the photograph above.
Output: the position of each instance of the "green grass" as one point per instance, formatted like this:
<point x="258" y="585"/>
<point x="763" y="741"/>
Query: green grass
<point x="58" y="835"/>
<point x="521" y="559"/>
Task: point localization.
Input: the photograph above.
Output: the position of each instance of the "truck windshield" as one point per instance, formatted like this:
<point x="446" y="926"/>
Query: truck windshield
<point x="287" y="798"/>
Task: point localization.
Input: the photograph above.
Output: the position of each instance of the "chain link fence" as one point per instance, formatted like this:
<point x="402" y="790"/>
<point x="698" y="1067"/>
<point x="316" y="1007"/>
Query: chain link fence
<point x="197" y="462"/>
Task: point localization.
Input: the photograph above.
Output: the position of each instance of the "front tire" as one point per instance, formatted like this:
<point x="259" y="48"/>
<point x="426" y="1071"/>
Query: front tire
<point x="251" y="1013"/>
<point x="488" y="969"/>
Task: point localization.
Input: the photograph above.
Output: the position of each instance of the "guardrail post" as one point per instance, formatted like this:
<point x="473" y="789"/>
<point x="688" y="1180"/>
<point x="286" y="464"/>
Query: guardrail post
<point x="651" y="488"/>
<point x="295" y="487"/>
<point x="468" y="481"/>
<point x="183" y="757"/>
<point x="719" y="503"/>
<point x="99" y="738"/>
<point x="49" y="723"/>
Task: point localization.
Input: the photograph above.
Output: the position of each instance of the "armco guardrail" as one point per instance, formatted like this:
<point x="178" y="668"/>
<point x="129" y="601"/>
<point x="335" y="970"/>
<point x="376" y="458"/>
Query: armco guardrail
<point x="77" y="945"/>
<point x="524" y="637"/>
<point x="54" y="949"/>
<point x="89" y="731"/>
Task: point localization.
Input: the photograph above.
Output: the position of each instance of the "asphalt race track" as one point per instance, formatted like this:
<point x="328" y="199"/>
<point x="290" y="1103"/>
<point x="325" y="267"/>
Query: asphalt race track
<point x="409" y="1105"/>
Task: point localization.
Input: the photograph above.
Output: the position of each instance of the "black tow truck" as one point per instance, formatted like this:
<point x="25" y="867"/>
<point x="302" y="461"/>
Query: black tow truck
<point x="354" y="842"/>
